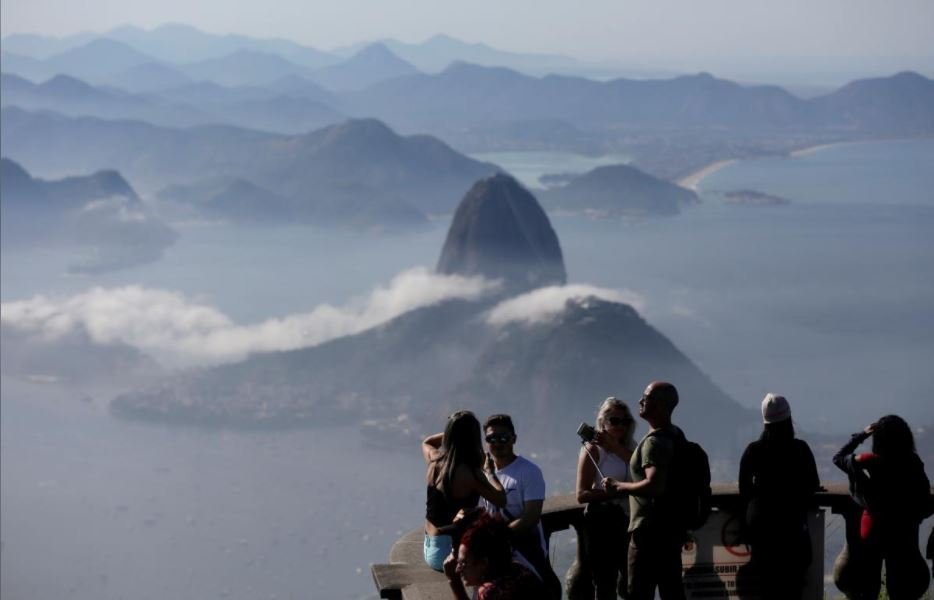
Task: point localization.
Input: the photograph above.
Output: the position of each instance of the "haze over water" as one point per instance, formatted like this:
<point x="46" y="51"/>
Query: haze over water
<point x="828" y="299"/>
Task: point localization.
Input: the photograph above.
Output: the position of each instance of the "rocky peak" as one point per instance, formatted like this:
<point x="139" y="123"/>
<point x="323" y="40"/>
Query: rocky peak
<point x="501" y="232"/>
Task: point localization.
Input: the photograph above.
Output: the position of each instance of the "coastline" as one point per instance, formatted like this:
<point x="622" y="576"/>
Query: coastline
<point x="817" y="148"/>
<point x="693" y="180"/>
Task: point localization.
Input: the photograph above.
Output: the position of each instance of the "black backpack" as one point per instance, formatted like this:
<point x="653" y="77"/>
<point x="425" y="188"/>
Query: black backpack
<point x="687" y="495"/>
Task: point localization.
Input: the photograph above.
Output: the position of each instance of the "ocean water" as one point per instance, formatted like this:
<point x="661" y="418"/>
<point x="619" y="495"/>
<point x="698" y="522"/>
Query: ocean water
<point x="829" y="299"/>
<point x="528" y="167"/>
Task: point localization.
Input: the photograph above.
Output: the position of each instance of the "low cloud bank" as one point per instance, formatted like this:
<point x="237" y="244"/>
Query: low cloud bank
<point x="179" y="332"/>
<point x="546" y="303"/>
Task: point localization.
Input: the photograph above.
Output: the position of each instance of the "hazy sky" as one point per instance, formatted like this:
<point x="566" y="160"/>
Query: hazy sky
<point x="650" y="31"/>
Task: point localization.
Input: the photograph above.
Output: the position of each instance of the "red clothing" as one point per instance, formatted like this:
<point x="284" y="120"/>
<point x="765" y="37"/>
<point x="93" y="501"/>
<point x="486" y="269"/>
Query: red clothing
<point x="518" y="584"/>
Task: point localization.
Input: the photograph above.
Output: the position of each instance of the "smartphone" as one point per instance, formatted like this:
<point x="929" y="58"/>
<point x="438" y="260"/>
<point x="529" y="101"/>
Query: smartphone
<point x="586" y="432"/>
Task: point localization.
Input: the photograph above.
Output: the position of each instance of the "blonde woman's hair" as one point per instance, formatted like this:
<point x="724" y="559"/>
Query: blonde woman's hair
<point x="614" y="403"/>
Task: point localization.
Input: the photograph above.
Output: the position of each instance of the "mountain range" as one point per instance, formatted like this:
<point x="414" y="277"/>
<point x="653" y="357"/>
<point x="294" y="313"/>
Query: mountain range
<point x="467" y="95"/>
<point x="109" y="61"/>
<point x="100" y="213"/>
<point x="178" y="43"/>
<point x="470" y="84"/>
<point x="254" y="128"/>
<point x="249" y="89"/>
<point x="550" y="370"/>
<point x="359" y="171"/>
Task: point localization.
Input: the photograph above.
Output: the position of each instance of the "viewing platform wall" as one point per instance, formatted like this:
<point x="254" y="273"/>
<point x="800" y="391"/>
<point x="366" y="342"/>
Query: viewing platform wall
<point x="407" y="577"/>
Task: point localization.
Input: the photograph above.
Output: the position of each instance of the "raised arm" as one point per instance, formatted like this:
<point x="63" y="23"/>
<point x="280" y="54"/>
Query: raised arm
<point x="488" y="485"/>
<point x="844" y="458"/>
<point x="431" y="445"/>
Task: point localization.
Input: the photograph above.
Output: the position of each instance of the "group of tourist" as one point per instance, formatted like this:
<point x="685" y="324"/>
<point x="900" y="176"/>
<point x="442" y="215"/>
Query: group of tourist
<point x="483" y="509"/>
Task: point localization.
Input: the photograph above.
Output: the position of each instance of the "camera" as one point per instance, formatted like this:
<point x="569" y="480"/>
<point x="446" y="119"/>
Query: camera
<point x="586" y="432"/>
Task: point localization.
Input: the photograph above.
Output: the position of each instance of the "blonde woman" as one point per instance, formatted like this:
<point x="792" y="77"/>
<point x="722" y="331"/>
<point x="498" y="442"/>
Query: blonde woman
<point x="607" y="511"/>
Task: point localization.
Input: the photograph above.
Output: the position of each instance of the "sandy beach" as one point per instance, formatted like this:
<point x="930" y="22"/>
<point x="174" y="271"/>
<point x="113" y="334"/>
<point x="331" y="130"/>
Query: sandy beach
<point x="817" y="148"/>
<point x="693" y="180"/>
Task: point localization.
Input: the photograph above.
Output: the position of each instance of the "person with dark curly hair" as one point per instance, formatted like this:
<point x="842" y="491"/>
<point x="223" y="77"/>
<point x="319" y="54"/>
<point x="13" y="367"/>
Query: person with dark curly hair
<point x="484" y="561"/>
<point x="893" y="494"/>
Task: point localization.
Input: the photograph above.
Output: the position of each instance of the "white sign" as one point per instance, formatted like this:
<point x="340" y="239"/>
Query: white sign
<point x="712" y="559"/>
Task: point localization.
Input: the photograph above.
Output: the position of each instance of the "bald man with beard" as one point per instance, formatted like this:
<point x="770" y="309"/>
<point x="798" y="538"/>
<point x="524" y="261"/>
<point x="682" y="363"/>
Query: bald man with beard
<point x="655" y="542"/>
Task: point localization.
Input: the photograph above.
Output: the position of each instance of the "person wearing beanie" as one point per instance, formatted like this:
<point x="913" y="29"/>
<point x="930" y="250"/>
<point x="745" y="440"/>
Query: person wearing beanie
<point x="775" y="409"/>
<point x="777" y="481"/>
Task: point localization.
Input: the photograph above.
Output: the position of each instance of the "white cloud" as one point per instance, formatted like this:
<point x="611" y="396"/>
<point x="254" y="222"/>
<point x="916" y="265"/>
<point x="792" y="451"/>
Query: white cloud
<point x="180" y="332"/>
<point x="544" y="304"/>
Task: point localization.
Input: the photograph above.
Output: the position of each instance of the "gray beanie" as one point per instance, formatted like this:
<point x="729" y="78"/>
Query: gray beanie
<point x="775" y="408"/>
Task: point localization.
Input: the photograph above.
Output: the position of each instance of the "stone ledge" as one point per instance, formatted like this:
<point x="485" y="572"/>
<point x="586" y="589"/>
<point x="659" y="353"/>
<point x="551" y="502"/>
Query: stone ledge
<point x="407" y="577"/>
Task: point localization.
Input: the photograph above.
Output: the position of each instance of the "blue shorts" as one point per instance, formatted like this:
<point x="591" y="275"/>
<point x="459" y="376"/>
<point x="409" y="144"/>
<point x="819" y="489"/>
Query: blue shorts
<point x="437" y="548"/>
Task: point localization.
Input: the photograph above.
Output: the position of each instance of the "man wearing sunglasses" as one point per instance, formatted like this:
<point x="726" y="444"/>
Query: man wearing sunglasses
<point x="655" y="543"/>
<point x="525" y="493"/>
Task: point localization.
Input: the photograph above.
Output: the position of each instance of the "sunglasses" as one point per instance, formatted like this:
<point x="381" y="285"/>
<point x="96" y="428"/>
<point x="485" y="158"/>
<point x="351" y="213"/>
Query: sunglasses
<point x="499" y="438"/>
<point x="617" y="421"/>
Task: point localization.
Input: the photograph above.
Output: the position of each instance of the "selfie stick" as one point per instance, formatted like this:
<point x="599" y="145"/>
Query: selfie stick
<point x="596" y="466"/>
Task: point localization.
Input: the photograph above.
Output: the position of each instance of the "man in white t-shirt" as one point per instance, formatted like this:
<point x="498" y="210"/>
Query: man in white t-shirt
<point x="525" y="494"/>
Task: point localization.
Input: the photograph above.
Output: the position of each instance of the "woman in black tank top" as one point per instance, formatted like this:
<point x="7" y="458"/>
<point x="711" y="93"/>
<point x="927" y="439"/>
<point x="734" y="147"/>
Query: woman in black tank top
<point x="458" y="474"/>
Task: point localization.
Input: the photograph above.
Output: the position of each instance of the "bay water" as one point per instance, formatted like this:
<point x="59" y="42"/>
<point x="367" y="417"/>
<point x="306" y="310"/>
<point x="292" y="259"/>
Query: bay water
<point x="828" y="299"/>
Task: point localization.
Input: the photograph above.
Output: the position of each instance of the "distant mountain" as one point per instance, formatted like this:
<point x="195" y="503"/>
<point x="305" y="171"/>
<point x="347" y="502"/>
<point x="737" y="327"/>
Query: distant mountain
<point x="371" y="65"/>
<point x="206" y="93"/>
<point x="227" y="198"/>
<point x="471" y="96"/>
<point x="72" y="358"/>
<point x="172" y="43"/>
<point x="618" y="190"/>
<point x="438" y="52"/>
<point x="71" y="96"/>
<point x="20" y="191"/>
<point x="555" y="373"/>
<point x="149" y="77"/>
<point x="280" y="114"/>
<point x="180" y="43"/>
<point x="97" y="60"/>
<point x="43" y="46"/>
<point x="17" y="187"/>
<point x="240" y="201"/>
<point x="14" y="84"/>
<point x="301" y="87"/>
<point x="500" y="232"/>
<point x="360" y="155"/>
<point x="99" y="212"/>
<point x="550" y="372"/>
<point x="348" y="170"/>
<point x="902" y="104"/>
<point x="184" y="106"/>
<point x="24" y="66"/>
<point x="243" y="67"/>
